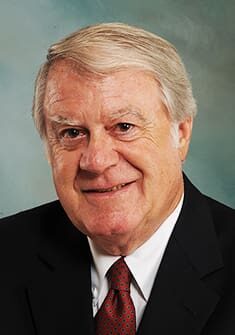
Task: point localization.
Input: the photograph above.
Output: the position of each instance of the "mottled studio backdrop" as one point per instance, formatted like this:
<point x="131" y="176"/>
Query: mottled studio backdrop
<point x="203" y="32"/>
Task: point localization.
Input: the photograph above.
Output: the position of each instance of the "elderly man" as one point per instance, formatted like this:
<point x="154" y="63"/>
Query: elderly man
<point x="131" y="246"/>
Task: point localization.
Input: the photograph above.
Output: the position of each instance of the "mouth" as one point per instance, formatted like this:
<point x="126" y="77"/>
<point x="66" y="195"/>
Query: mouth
<point x="107" y="190"/>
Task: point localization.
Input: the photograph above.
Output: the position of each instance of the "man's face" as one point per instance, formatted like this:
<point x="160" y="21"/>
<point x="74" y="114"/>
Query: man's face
<point x="116" y="169"/>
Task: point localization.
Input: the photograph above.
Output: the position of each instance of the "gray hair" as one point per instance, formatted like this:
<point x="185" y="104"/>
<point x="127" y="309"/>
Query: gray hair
<point x="105" y="48"/>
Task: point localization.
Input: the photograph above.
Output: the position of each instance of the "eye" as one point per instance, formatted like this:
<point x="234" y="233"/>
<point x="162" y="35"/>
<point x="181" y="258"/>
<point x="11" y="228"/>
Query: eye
<point x="124" y="127"/>
<point x="72" y="137"/>
<point x="71" y="133"/>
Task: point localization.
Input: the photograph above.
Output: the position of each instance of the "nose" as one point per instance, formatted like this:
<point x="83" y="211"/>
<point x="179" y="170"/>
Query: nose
<point x="99" y="155"/>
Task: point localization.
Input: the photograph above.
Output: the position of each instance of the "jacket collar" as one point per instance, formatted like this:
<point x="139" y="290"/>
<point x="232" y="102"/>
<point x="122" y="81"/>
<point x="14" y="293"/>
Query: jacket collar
<point x="183" y="297"/>
<point x="59" y="293"/>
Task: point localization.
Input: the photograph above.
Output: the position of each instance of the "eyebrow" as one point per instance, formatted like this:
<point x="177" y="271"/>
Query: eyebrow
<point x="124" y="112"/>
<point x="59" y="119"/>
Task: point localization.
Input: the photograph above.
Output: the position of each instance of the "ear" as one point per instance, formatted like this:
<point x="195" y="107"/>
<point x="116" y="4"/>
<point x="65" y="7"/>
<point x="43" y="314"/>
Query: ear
<point x="185" y="132"/>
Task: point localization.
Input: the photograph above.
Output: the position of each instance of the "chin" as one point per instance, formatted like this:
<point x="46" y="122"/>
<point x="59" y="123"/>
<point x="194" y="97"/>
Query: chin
<point x="107" y="228"/>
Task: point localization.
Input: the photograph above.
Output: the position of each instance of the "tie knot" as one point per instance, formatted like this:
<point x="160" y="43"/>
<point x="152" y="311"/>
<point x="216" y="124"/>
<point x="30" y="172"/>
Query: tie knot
<point x="119" y="276"/>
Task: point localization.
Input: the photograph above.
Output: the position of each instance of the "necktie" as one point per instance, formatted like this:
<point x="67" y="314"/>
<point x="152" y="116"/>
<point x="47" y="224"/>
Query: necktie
<point x="116" y="316"/>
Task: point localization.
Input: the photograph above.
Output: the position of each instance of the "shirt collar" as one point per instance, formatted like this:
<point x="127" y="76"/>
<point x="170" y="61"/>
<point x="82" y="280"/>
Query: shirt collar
<point x="102" y="262"/>
<point x="148" y="256"/>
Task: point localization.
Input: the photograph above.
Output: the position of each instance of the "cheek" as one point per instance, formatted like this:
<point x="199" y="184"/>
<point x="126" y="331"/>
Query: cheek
<point x="143" y="156"/>
<point x="64" y="165"/>
<point x="158" y="163"/>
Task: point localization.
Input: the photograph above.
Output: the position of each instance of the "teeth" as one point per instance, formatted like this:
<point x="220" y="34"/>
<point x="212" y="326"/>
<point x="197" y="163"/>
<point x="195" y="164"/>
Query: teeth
<point x="114" y="188"/>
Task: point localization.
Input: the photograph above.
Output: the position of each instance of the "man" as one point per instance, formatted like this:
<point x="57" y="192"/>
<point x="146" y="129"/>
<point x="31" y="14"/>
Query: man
<point x="131" y="246"/>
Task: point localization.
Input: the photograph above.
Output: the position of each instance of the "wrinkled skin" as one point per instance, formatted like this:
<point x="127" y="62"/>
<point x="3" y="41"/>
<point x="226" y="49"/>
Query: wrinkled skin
<point x="107" y="132"/>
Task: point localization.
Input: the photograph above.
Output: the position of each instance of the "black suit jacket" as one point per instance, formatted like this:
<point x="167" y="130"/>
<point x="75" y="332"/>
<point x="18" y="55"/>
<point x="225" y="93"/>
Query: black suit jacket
<point x="45" y="285"/>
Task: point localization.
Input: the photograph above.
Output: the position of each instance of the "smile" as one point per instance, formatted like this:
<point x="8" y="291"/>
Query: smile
<point x="104" y="190"/>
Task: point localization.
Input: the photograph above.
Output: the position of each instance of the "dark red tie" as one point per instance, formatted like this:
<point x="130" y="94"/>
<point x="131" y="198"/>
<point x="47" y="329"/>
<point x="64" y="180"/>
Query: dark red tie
<point x="116" y="316"/>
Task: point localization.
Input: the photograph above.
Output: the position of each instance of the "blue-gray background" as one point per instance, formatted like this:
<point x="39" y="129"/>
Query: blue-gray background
<point x="203" y="32"/>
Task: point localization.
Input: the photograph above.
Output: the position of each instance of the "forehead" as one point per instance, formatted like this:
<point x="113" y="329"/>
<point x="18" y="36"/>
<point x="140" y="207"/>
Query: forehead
<point x="121" y="89"/>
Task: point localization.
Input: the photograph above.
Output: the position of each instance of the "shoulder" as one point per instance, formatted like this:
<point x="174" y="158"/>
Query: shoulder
<point x="21" y="235"/>
<point x="224" y="222"/>
<point x="208" y="212"/>
<point x="25" y="228"/>
<point x="28" y="221"/>
<point x="222" y="215"/>
<point x="222" y="218"/>
<point x="220" y="211"/>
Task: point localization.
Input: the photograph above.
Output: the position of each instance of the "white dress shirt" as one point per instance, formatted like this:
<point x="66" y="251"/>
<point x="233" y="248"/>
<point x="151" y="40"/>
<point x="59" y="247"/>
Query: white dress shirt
<point x="143" y="264"/>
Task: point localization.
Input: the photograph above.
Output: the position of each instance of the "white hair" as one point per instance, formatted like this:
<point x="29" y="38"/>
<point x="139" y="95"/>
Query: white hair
<point x="105" y="48"/>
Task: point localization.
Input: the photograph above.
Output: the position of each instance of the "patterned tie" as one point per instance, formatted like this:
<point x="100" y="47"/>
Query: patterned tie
<point x="116" y="316"/>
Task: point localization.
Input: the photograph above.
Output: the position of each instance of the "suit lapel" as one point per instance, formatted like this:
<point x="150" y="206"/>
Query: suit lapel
<point x="59" y="294"/>
<point x="183" y="297"/>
